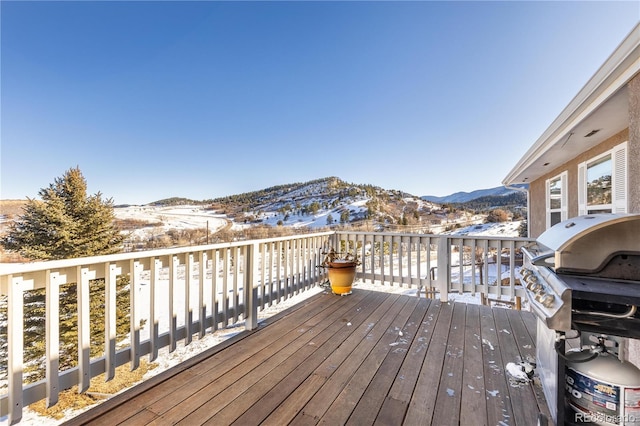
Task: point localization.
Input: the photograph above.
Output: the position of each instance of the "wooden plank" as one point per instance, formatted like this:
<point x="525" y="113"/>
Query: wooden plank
<point x="447" y="409"/>
<point x="524" y="414"/>
<point x="499" y="409"/>
<point x="379" y="345"/>
<point x="397" y="402"/>
<point x="526" y="345"/>
<point x="290" y="407"/>
<point x="141" y="418"/>
<point x="473" y="410"/>
<point x="376" y="392"/>
<point x="339" y="363"/>
<point x="229" y="404"/>
<point x="420" y="411"/>
<point x="531" y="322"/>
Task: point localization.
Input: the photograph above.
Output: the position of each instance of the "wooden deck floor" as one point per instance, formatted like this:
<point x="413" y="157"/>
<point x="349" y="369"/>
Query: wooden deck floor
<point x="367" y="358"/>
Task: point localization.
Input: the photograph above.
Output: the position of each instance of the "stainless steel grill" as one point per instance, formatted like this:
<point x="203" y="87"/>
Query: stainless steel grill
<point x="582" y="274"/>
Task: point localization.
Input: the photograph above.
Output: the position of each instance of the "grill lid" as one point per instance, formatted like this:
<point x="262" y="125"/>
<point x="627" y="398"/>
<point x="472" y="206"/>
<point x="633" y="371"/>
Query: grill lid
<point x="586" y="244"/>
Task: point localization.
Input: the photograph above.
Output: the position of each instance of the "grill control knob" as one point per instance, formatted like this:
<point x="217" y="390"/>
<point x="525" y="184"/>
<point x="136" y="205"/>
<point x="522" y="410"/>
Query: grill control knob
<point x="545" y="299"/>
<point x="534" y="286"/>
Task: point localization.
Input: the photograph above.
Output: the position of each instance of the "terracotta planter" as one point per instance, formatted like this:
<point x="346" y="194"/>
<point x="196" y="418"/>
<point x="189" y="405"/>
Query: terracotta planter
<point x="341" y="276"/>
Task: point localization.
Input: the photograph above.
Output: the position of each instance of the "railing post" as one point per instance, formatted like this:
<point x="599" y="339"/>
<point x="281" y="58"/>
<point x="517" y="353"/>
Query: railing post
<point x="444" y="261"/>
<point x="251" y="299"/>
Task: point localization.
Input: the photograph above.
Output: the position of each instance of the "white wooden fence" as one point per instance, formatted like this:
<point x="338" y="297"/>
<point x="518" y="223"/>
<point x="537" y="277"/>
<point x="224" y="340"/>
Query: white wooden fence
<point x="187" y="292"/>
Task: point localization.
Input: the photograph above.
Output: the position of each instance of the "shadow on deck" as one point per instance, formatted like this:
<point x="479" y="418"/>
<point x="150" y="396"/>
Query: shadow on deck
<point x="367" y="358"/>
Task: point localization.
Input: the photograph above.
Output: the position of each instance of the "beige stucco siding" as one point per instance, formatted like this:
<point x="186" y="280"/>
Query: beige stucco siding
<point x="537" y="192"/>
<point x="537" y="214"/>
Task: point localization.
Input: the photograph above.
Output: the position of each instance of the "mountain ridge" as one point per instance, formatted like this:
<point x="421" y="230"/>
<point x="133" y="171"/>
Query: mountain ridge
<point x="464" y="197"/>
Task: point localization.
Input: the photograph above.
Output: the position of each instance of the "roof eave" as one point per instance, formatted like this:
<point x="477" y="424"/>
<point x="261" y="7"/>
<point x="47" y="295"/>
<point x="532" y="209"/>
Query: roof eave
<point x="612" y="76"/>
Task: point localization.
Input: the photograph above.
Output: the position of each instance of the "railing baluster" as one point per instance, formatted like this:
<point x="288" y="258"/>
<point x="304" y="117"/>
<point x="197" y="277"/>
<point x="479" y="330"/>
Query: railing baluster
<point x="264" y="286"/>
<point x="250" y="272"/>
<point x="154" y="271"/>
<point x="215" y="283"/>
<point x="188" y="311"/>
<point x="52" y="338"/>
<point x="15" y="336"/>
<point x="202" y="305"/>
<point x="418" y="261"/>
<point x="287" y="269"/>
<point x="461" y="265"/>
<point x="133" y="317"/>
<point x="110" y="315"/>
<point x="173" y="315"/>
<point x="84" y="328"/>
<point x="225" y="287"/>
<point x="236" y="285"/>
<point x="473" y="266"/>
<point x="512" y="270"/>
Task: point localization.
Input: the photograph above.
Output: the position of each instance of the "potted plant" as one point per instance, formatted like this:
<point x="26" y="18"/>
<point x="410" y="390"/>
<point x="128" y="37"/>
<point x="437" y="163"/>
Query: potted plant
<point x="341" y="270"/>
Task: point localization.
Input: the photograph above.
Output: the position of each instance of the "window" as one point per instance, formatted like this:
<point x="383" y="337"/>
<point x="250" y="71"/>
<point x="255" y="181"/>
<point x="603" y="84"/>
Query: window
<point x="557" y="199"/>
<point x="602" y="183"/>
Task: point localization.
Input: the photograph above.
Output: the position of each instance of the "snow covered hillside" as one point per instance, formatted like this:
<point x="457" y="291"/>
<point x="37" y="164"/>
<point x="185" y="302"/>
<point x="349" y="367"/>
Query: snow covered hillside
<point x="315" y="205"/>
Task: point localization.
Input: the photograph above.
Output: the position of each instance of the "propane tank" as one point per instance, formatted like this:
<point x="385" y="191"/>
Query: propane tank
<point x="602" y="390"/>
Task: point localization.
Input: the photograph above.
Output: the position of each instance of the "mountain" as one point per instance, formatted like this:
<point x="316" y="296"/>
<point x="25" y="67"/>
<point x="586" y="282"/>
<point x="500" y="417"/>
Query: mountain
<point x="464" y="197"/>
<point x="323" y="202"/>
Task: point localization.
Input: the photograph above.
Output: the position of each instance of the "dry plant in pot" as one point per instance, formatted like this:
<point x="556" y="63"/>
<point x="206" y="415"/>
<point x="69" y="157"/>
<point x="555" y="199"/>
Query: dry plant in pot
<point x="341" y="270"/>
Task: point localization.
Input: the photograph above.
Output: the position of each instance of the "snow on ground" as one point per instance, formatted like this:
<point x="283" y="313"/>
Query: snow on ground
<point x="191" y="217"/>
<point x="498" y="229"/>
<point x="356" y="208"/>
<point x="175" y="217"/>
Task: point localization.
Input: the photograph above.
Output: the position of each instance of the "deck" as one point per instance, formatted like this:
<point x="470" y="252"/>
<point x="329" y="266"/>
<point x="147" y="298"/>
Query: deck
<point x="367" y="358"/>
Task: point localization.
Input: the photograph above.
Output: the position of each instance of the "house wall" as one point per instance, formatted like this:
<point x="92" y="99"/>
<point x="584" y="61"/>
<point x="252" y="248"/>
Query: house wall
<point x="537" y="189"/>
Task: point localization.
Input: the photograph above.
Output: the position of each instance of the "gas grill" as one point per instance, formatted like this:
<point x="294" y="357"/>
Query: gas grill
<point x="582" y="275"/>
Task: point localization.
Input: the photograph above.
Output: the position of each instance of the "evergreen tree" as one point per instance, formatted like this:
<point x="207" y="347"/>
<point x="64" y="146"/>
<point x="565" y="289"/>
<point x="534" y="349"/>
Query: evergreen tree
<point x="344" y="216"/>
<point x="66" y="223"/>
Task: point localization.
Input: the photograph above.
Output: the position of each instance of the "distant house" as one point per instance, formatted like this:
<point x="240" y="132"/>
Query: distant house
<point x="588" y="160"/>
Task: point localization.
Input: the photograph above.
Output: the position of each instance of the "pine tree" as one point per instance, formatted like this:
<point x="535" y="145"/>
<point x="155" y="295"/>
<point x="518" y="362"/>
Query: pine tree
<point x="66" y="223"/>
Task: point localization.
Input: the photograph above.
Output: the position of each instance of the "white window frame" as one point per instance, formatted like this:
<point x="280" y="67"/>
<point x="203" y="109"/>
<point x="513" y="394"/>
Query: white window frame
<point x="564" y="204"/>
<point x="619" y="173"/>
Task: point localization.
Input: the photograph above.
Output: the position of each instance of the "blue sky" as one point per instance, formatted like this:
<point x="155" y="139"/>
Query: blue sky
<point x="205" y="99"/>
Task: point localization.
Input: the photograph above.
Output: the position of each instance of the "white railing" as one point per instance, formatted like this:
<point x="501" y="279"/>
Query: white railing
<point x="177" y="293"/>
<point x="185" y="292"/>
<point x="439" y="264"/>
